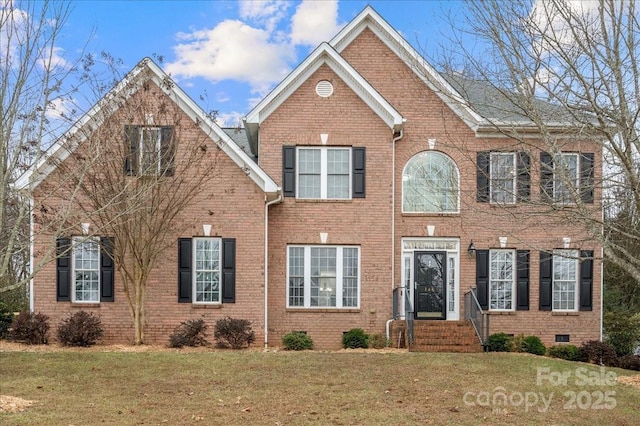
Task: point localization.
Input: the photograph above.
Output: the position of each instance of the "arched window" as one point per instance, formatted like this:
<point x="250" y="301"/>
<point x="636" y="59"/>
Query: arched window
<point x="430" y="184"/>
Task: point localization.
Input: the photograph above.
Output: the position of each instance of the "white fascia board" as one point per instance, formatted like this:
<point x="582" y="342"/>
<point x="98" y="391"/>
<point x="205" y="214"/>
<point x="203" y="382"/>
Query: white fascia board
<point x="68" y="142"/>
<point x="369" y="18"/>
<point x="326" y="55"/>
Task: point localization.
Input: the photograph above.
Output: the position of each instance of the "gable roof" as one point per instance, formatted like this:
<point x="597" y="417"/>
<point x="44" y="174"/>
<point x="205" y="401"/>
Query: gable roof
<point x="481" y="106"/>
<point x="324" y="54"/>
<point x="69" y="141"/>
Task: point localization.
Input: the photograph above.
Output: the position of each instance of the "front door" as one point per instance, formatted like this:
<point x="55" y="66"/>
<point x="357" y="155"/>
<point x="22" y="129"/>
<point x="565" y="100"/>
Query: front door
<point x="430" y="273"/>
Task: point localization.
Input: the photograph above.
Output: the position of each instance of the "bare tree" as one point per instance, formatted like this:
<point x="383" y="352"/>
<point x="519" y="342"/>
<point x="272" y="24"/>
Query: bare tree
<point x="137" y="165"/>
<point x="36" y="101"/>
<point x="560" y="64"/>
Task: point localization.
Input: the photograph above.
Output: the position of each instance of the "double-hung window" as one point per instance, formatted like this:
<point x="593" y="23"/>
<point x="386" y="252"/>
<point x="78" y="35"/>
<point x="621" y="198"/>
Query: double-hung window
<point x="150" y="138"/>
<point x="86" y="270"/>
<point x="324" y="173"/>
<point x="149" y="151"/>
<point x="206" y="270"/>
<point x="323" y="276"/>
<point x="565" y="280"/>
<point x="501" y="279"/>
<point x="565" y="177"/>
<point x="503" y="177"/>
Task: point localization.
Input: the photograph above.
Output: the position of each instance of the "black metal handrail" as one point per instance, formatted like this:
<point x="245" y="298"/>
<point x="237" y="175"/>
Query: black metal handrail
<point x="408" y="315"/>
<point x="474" y="313"/>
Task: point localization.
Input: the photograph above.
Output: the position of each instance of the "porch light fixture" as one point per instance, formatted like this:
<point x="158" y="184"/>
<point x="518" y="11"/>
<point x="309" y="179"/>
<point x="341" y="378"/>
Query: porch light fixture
<point x="472" y="249"/>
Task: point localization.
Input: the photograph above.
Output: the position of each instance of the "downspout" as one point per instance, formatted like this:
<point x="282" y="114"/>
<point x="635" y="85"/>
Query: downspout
<point x="32" y="243"/>
<point x="393" y="222"/>
<point x="266" y="265"/>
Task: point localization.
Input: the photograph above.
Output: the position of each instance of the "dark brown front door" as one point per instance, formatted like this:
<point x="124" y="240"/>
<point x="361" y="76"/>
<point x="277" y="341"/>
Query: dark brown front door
<point x="430" y="276"/>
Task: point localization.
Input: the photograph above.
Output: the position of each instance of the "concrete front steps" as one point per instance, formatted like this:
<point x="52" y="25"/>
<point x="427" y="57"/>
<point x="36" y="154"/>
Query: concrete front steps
<point x="444" y="336"/>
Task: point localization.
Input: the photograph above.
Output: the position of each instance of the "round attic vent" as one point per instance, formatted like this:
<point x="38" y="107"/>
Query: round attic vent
<point x="324" y="88"/>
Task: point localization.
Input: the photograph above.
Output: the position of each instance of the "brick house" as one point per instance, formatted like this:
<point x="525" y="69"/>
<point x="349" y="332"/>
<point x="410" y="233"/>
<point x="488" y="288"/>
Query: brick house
<point x="370" y="191"/>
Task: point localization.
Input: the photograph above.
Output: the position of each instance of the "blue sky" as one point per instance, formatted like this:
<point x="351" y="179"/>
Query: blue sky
<point x="228" y="54"/>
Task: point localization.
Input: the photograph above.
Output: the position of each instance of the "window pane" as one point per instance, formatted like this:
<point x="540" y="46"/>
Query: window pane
<point x="338" y="186"/>
<point x="338" y="161"/>
<point x="565" y="279"/>
<point x="501" y="279"/>
<point x="86" y="270"/>
<point x="349" y="277"/>
<point x="430" y="184"/>
<point x="309" y="186"/>
<point x="150" y="151"/>
<point x="503" y="177"/>
<point x="207" y="270"/>
<point x="323" y="276"/>
<point x="565" y="177"/>
<point x="296" y="276"/>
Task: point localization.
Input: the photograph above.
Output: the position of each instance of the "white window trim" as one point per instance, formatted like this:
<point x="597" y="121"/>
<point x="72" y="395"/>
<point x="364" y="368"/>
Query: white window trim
<point x="452" y="247"/>
<point x="452" y="212"/>
<point x="195" y="271"/>
<point x="141" y="150"/>
<point x="574" y="256"/>
<point x="513" y="280"/>
<point x="557" y="177"/>
<point x="513" y="179"/>
<point x="323" y="171"/>
<point x="339" y="277"/>
<point x="78" y="240"/>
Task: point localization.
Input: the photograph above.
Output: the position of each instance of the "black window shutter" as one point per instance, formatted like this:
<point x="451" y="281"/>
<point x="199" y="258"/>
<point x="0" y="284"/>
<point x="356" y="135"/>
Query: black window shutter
<point x="524" y="176"/>
<point x="586" y="280"/>
<point x="586" y="177"/>
<point x="289" y="171"/>
<point x="106" y="269"/>
<point x="63" y="269"/>
<point x="359" y="160"/>
<point x="132" y="138"/>
<point x="167" y="151"/>
<point x="482" y="278"/>
<point x="522" y="283"/>
<point x="228" y="270"/>
<point x="184" y="270"/>
<point x="546" y="280"/>
<point x="546" y="176"/>
<point x="483" y="173"/>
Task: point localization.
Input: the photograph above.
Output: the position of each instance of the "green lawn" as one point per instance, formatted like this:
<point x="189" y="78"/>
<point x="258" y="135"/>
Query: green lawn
<point x="288" y="388"/>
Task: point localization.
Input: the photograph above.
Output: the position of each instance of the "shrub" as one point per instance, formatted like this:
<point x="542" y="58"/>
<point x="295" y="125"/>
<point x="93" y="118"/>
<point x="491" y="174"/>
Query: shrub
<point x="30" y="328"/>
<point x="499" y="342"/>
<point x="80" y="329"/>
<point x="355" y="338"/>
<point x="622" y="331"/>
<point x="297" y="341"/>
<point x="378" y="341"/>
<point x="6" y="318"/>
<point x="533" y="345"/>
<point x="189" y="333"/>
<point x="629" y="362"/>
<point x="568" y="352"/>
<point x="233" y="332"/>
<point x="597" y="352"/>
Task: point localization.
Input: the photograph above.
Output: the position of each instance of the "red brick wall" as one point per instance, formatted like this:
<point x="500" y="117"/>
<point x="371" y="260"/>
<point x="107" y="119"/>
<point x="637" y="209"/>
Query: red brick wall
<point x="231" y="202"/>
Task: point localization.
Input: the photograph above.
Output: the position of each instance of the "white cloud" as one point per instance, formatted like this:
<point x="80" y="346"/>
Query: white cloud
<point x="267" y="13"/>
<point x="556" y="23"/>
<point x="61" y="109"/>
<point x="314" y="22"/>
<point x="229" y="119"/>
<point x="232" y="50"/>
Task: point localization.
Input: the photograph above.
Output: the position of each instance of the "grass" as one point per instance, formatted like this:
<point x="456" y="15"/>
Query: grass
<point x="295" y="388"/>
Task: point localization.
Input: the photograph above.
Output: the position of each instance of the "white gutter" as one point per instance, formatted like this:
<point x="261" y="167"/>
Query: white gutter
<point x="266" y="266"/>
